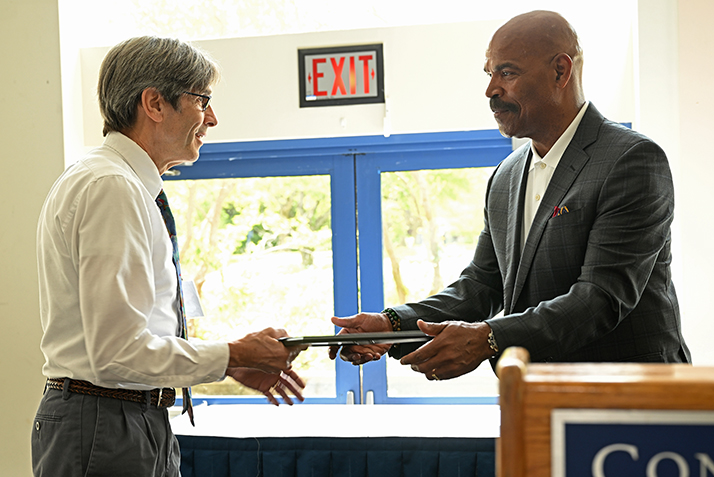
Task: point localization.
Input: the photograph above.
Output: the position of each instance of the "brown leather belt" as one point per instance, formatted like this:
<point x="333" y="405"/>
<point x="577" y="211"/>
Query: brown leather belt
<point x="160" y="397"/>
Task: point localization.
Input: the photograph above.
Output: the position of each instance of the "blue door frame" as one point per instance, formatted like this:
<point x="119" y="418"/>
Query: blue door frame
<point x="354" y="165"/>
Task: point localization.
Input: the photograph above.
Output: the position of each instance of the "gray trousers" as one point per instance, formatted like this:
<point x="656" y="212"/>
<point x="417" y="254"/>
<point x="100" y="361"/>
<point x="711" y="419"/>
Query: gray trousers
<point x="80" y="435"/>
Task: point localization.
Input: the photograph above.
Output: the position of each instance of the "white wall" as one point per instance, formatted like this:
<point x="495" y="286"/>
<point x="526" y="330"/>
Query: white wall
<point x="32" y="157"/>
<point x="675" y="71"/>
<point x="434" y="81"/>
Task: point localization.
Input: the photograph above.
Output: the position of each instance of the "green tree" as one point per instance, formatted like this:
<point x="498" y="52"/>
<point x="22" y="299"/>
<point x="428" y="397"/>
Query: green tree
<point x="425" y="213"/>
<point x="259" y="251"/>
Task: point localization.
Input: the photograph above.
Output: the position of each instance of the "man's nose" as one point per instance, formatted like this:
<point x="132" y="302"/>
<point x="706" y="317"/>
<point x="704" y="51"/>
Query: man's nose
<point x="493" y="88"/>
<point x="210" y="118"/>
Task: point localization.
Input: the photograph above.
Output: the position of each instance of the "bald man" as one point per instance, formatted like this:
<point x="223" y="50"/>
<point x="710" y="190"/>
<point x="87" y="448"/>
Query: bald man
<point x="575" y="248"/>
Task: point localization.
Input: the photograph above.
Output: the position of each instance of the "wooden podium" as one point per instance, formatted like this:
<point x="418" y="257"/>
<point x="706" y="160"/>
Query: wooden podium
<point x="530" y="394"/>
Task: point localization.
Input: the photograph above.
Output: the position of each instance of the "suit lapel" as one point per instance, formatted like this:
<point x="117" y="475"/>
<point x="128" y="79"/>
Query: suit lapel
<point x="573" y="160"/>
<point x="517" y="190"/>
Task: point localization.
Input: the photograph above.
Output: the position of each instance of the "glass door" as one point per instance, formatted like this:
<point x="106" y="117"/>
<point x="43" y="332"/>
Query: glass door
<point x="270" y="244"/>
<point x="420" y="215"/>
<point x="289" y="233"/>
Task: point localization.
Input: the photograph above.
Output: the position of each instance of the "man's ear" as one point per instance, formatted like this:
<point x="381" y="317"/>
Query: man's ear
<point x="563" y="65"/>
<point x="153" y="104"/>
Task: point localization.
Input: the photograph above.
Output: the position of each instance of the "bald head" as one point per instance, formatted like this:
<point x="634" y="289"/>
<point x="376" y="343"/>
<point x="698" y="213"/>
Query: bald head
<point x="542" y="34"/>
<point x="535" y="64"/>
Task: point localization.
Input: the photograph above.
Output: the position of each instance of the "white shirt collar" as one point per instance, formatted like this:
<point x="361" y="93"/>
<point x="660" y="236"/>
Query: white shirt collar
<point x="552" y="158"/>
<point x="137" y="159"/>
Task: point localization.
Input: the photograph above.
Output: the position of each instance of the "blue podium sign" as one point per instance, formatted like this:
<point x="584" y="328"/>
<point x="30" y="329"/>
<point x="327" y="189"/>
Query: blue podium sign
<point x="632" y="443"/>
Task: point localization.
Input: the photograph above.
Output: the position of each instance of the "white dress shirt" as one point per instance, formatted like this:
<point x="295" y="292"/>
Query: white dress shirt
<point x="541" y="170"/>
<point x="108" y="299"/>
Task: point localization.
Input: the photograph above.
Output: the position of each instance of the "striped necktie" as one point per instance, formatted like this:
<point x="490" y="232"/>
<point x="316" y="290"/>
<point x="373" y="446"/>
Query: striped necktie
<point x="163" y="203"/>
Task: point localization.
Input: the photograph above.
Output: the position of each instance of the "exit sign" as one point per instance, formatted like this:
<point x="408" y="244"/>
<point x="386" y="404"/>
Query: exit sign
<point x="341" y="75"/>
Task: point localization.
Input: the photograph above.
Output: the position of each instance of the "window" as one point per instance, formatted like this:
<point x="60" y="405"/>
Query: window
<point x="259" y="252"/>
<point x="431" y="220"/>
<point x="280" y="231"/>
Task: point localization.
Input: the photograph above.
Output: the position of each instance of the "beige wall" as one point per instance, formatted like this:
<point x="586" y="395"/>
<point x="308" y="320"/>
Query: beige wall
<point x="31" y="158"/>
<point x="696" y="172"/>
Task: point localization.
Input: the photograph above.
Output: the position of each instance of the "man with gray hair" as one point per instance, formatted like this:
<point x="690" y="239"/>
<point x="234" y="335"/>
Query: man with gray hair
<point x="110" y="286"/>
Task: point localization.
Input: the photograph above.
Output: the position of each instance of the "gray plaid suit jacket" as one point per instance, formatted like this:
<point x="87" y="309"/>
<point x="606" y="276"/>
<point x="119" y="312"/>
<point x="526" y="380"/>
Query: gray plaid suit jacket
<point x="592" y="284"/>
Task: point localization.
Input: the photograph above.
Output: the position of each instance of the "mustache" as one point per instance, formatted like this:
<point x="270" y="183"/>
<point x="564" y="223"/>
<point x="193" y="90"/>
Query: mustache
<point x="497" y="104"/>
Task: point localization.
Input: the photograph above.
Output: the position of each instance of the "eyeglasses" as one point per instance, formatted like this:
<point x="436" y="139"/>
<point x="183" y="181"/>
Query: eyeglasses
<point x="205" y="99"/>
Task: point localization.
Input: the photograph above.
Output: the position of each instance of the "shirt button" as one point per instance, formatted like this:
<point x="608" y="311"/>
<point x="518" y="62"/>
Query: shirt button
<point x="537" y="196"/>
<point x="542" y="165"/>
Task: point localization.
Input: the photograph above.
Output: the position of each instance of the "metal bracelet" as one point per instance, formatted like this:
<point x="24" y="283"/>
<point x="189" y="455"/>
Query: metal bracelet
<point x="492" y="342"/>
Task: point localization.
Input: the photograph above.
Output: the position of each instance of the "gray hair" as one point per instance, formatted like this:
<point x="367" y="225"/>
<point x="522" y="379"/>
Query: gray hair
<point x="171" y="66"/>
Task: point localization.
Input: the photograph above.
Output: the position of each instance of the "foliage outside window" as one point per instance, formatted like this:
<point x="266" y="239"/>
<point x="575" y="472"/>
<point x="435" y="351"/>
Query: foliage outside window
<point x="259" y="253"/>
<point x="431" y="223"/>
